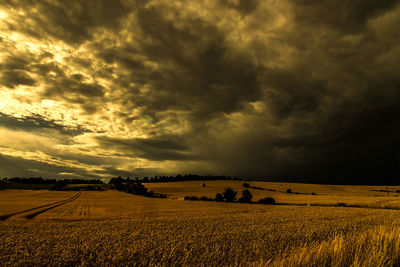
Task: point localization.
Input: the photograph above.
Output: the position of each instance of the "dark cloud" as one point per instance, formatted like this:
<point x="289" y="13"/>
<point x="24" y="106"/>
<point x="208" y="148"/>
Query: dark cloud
<point x="243" y="6"/>
<point x="137" y="172"/>
<point x="15" y="78"/>
<point x="198" y="71"/>
<point x="296" y="90"/>
<point x="346" y="16"/>
<point x="290" y="95"/>
<point x="155" y="148"/>
<point x="36" y="122"/>
<point x="72" y="87"/>
<point x="15" y="62"/>
<point x="355" y="140"/>
<point x="20" y="167"/>
<point x="14" y="71"/>
<point x="73" y="22"/>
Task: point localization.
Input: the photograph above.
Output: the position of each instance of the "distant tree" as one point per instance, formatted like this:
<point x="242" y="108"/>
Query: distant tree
<point x="219" y="197"/>
<point x="267" y="200"/>
<point x="90" y="188"/>
<point x="59" y="185"/>
<point x="204" y="198"/>
<point x="246" y="185"/>
<point x="246" y="196"/>
<point x="229" y="194"/>
<point x="136" y="188"/>
<point x="118" y="183"/>
<point x="289" y="191"/>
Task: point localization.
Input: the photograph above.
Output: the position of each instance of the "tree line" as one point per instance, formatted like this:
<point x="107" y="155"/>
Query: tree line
<point x="133" y="187"/>
<point x="176" y="178"/>
<point x="230" y="195"/>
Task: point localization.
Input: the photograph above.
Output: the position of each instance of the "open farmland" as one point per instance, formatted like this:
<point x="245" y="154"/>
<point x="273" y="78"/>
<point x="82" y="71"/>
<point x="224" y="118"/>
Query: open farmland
<point x="110" y="227"/>
<point x="370" y="196"/>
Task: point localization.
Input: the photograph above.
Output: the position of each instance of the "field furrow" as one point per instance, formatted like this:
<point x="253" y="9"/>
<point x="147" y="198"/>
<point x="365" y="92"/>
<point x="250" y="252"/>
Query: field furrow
<point x="46" y="208"/>
<point x="33" y="215"/>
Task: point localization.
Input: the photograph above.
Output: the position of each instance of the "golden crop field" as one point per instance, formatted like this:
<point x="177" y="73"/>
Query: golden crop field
<point x="372" y="196"/>
<point x="115" y="228"/>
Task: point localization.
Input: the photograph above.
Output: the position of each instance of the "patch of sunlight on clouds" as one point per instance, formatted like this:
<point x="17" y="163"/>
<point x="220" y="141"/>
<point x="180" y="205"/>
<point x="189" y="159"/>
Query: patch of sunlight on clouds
<point x="49" y="103"/>
<point x="24" y="140"/>
<point x="66" y="173"/>
<point x="21" y="102"/>
<point x="259" y="106"/>
<point x="3" y="14"/>
<point x="34" y="48"/>
<point x="40" y="156"/>
<point x="10" y="101"/>
<point x="30" y="155"/>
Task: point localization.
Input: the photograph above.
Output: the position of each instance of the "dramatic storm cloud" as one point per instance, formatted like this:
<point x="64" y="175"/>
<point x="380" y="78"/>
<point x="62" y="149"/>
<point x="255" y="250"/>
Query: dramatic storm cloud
<point x="293" y="90"/>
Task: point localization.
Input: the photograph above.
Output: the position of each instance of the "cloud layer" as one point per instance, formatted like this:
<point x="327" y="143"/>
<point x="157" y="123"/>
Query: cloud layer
<point x="291" y="90"/>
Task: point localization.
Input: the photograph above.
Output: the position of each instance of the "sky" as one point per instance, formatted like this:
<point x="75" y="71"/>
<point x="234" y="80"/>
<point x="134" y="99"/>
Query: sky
<point x="289" y="90"/>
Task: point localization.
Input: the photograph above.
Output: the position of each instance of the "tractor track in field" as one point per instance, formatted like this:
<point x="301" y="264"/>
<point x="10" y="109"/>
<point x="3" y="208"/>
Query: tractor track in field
<point x="47" y="207"/>
<point x="85" y="209"/>
<point x="33" y="215"/>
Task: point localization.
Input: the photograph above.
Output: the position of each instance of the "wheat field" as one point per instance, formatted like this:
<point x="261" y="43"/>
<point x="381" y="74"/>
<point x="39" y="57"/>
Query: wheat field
<point x="370" y="196"/>
<point x="114" y="228"/>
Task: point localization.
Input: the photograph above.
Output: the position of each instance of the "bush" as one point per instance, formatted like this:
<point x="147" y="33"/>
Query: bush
<point x="137" y="188"/>
<point x="59" y="185"/>
<point x="194" y="198"/>
<point x="229" y="194"/>
<point x="289" y="191"/>
<point x="203" y="198"/>
<point x="90" y="188"/>
<point x="150" y="194"/>
<point x="247" y="185"/>
<point x="267" y="200"/>
<point x="246" y="196"/>
<point x="313" y="194"/>
<point x="186" y="198"/>
<point x="219" y="197"/>
<point x="341" y="204"/>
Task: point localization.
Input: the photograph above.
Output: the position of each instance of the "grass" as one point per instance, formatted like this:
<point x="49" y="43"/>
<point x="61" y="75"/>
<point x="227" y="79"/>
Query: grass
<point x="115" y="228"/>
